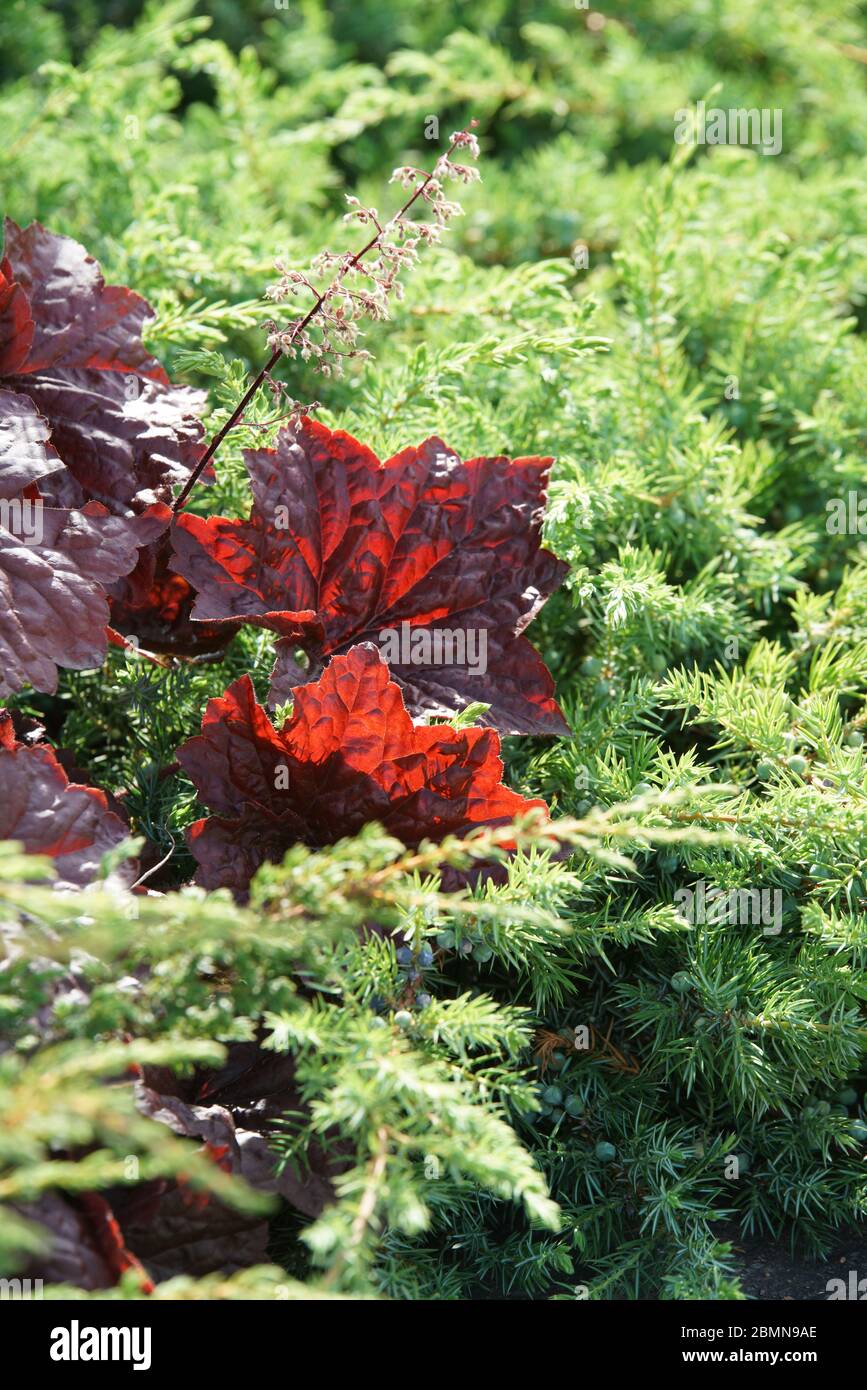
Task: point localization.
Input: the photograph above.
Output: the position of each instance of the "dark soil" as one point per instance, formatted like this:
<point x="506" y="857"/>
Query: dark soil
<point x="769" y="1270"/>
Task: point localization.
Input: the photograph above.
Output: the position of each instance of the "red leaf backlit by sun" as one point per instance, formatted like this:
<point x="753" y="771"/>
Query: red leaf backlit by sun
<point x="340" y="548"/>
<point x="48" y="814"/>
<point x="349" y="754"/>
<point x="153" y="606"/>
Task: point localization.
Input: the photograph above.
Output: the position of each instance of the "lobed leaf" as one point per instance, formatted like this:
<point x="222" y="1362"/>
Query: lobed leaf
<point x="349" y="754"/>
<point x="340" y="548"/>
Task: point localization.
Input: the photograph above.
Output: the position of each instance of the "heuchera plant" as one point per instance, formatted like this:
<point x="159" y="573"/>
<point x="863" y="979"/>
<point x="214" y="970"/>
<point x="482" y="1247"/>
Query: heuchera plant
<point x="340" y="548"/>
<point x="155" y="603"/>
<point x="349" y="754"/>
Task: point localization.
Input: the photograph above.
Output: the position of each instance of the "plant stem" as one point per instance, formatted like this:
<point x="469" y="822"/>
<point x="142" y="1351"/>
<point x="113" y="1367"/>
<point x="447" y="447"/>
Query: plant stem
<point x="298" y="329"/>
<point x="221" y="433"/>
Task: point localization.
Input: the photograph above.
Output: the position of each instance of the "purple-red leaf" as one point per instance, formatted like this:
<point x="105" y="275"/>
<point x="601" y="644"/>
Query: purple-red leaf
<point x="435" y="560"/>
<point x="86" y="1247"/>
<point x="78" y="320"/>
<point x="26" y="453"/>
<point x="73" y="345"/>
<point x="233" y="1113"/>
<point x="153" y="604"/>
<point x="92" y="438"/>
<point x="50" y="815"/>
<point x="53" y="606"/>
<point x="16" y="323"/>
<point x="348" y="755"/>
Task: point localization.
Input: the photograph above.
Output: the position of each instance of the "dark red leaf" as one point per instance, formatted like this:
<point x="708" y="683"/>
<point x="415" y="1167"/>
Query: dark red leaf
<point x="79" y="321"/>
<point x="16" y="324"/>
<point x="125" y="440"/>
<point x="86" y="1245"/>
<point x="53" y="607"/>
<point x="182" y="1232"/>
<point x="165" y="1227"/>
<point x="50" y="815"/>
<point x="152" y="605"/>
<point x="75" y="1253"/>
<point x="109" y="1239"/>
<point x="348" y="755"/>
<point x="340" y="548"/>
<point x="73" y="345"/>
<point x="88" y="415"/>
<point x="26" y="455"/>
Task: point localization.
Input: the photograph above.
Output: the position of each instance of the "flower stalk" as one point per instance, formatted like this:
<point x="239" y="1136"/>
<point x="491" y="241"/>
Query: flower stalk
<point x="337" y="308"/>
